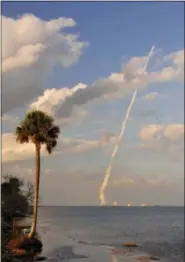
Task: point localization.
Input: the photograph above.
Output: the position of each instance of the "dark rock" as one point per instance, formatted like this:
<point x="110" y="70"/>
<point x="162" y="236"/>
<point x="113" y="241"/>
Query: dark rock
<point x="40" y="258"/>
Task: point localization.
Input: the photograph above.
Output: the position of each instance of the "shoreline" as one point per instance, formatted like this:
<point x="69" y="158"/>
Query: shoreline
<point x="88" y="235"/>
<point x="83" y="252"/>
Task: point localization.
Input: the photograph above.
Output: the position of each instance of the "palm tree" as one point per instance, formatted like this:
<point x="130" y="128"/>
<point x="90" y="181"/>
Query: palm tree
<point x="39" y="129"/>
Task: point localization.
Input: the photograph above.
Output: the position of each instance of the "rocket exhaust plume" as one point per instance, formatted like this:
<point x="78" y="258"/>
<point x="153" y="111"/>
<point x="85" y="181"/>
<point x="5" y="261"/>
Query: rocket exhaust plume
<point x="109" y="168"/>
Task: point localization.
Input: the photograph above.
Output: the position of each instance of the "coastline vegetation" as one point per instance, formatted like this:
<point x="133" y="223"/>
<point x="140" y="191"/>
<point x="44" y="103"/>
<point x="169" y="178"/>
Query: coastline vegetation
<point x="16" y="200"/>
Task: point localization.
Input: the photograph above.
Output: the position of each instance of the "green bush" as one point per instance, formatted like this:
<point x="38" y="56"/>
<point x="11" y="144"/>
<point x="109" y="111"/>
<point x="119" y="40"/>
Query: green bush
<point x="16" y="199"/>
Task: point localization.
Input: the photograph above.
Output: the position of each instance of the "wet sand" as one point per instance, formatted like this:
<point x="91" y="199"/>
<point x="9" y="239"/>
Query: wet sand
<point x="81" y="252"/>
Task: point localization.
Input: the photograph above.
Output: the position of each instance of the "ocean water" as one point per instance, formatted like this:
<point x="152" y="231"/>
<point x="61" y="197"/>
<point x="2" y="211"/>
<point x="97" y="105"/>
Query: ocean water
<point x="158" y="231"/>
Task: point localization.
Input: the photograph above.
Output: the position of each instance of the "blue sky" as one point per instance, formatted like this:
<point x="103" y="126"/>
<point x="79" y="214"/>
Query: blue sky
<point x="113" y="30"/>
<point x="109" y="36"/>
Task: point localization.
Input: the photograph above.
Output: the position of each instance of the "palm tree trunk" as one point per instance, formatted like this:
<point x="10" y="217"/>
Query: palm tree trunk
<point x="36" y="195"/>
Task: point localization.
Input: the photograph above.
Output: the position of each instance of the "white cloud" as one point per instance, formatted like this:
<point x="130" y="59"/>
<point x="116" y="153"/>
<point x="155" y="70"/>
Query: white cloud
<point x="165" y="139"/>
<point x="154" y="132"/>
<point x="12" y="151"/>
<point x="150" y="132"/>
<point x="31" y="48"/>
<point x="176" y="60"/>
<point x="52" y="98"/>
<point x="119" y="84"/>
<point x="151" y="96"/>
<point x="174" y="131"/>
<point x="25" y="57"/>
<point x="134" y="67"/>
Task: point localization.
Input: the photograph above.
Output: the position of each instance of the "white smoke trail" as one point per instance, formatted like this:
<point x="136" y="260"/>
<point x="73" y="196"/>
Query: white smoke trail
<point x="108" y="172"/>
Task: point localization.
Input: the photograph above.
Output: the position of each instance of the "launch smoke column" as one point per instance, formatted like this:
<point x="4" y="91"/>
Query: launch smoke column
<point x="109" y="168"/>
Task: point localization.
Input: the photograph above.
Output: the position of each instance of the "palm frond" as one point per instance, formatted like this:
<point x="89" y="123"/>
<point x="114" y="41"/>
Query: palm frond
<point x="54" y="131"/>
<point x="21" y="135"/>
<point x="39" y="128"/>
<point x="50" y="145"/>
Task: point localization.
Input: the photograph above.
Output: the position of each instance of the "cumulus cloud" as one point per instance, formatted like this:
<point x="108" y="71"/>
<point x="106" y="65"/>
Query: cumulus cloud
<point x="166" y="139"/>
<point x="176" y="64"/>
<point x="173" y="132"/>
<point x="119" y="84"/>
<point x="150" y="132"/>
<point x="31" y="48"/>
<point x="12" y="151"/>
<point x="134" y="67"/>
<point x="52" y="98"/>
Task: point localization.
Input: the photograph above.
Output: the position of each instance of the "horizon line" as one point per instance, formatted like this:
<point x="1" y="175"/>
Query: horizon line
<point x="111" y="206"/>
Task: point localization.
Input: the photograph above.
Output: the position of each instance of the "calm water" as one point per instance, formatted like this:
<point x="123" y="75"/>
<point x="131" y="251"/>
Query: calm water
<point x="158" y="230"/>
